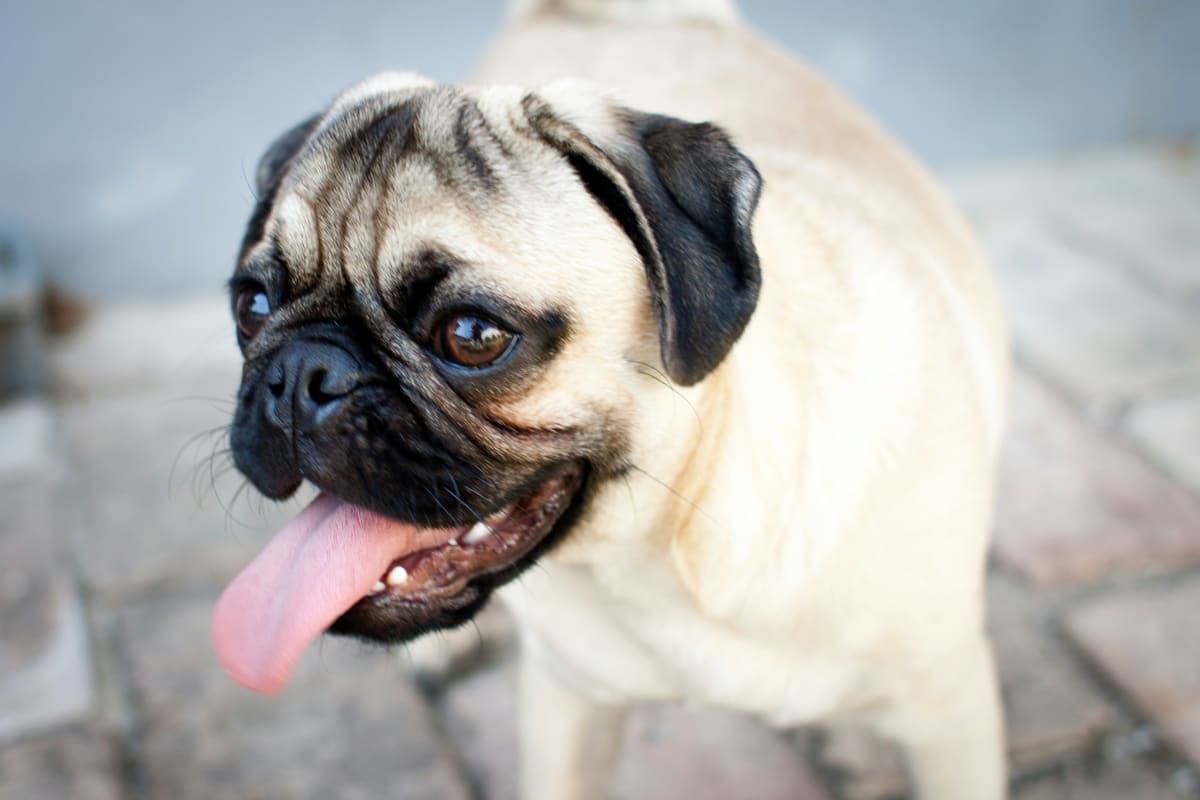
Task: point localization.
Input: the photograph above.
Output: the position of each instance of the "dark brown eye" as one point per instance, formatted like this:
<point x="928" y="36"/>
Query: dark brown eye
<point x="252" y="308"/>
<point x="471" y="341"/>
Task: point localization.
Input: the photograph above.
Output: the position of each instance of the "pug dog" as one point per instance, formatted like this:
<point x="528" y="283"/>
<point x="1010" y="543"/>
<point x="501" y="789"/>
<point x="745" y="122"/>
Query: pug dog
<point x="690" y="334"/>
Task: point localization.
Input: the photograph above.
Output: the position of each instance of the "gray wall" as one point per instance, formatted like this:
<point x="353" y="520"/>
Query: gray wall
<point x="130" y="128"/>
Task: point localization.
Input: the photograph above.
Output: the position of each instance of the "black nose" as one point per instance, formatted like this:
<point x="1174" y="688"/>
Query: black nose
<point x="307" y="382"/>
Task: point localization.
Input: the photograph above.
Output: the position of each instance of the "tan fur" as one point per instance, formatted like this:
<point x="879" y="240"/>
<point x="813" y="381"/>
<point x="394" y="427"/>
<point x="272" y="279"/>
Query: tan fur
<point x="805" y="536"/>
<point x="802" y="534"/>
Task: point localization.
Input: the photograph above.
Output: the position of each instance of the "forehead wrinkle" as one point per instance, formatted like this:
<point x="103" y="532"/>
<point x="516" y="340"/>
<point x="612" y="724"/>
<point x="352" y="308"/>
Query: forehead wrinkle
<point x="347" y="157"/>
<point x="465" y="151"/>
<point x="478" y="115"/>
<point x="343" y="186"/>
<point x="388" y="151"/>
<point x="345" y="122"/>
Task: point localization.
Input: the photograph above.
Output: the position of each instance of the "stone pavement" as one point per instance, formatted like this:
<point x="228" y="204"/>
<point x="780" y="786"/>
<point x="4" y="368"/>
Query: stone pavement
<point x="122" y="520"/>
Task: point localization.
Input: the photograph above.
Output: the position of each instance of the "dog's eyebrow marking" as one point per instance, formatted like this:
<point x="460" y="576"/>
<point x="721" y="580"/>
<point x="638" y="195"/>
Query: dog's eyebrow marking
<point x="427" y="270"/>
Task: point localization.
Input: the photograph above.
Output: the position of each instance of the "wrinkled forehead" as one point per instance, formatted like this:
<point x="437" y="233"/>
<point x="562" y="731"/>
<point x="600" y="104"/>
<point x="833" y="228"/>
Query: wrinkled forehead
<point x="394" y="171"/>
<point x="409" y="183"/>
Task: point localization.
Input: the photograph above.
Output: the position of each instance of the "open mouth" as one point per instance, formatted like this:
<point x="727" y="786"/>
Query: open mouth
<point x="442" y="571"/>
<point x="348" y="570"/>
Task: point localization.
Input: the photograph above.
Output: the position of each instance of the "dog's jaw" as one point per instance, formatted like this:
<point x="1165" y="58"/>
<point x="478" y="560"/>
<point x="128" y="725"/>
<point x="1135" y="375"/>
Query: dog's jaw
<point x="320" y="572"/>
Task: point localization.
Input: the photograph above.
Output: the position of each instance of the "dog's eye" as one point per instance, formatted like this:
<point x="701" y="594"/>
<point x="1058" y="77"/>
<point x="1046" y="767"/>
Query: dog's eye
<point x="471" y="341"/>
<point x="252" y="308"/>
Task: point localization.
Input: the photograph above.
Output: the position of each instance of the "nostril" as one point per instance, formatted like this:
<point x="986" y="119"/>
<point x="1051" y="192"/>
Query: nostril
<point x="316" y="387"/>
<point x="308" y="381"/>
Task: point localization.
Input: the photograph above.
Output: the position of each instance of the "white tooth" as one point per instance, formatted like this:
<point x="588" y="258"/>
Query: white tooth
<point x="378" y="587"/>
<point x="454" y="542"/>
<point x="479" y="531"/>
<point x="397" y="576"/>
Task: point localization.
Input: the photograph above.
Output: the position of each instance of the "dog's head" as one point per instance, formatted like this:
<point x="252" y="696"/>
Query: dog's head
<point x="447" y="300"/>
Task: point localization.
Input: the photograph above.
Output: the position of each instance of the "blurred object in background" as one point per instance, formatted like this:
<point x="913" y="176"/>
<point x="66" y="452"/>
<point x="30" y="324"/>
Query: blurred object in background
<point x="131" y="129"/>
<point x="20" y="317"/>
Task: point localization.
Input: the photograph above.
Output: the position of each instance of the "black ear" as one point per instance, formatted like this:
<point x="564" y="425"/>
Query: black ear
<point x="270" y="166"/>
<point x="685" y="196"/>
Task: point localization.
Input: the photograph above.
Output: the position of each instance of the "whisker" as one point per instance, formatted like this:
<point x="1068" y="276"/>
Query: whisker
<point x="632" y="500"/>
<point x="433" y="494"/>
<point x="477" y="494"/>
<point x="230" y="519"/>
<point x="214" y="473"/>
<point x="219" y="431"/>
<point x="458" y="497"/>
<point x="219" y="403"/>
<point x="674" y="492"/>
<point x="655" y="374"/>
<point x="249" y="185"/>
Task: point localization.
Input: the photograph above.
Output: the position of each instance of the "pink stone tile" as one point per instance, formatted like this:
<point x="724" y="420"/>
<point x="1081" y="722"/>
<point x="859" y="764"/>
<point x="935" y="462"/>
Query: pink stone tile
<point x="1147" y="642"/>
<point x="670" y="753"/>
<point x="1074" y="506"/>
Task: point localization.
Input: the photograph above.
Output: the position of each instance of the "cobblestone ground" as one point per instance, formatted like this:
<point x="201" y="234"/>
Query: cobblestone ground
<point x="122" y="521"/>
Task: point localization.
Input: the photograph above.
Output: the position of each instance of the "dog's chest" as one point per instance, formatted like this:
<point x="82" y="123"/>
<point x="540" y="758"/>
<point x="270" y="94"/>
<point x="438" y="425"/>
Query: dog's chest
<point x="626" y="631"/>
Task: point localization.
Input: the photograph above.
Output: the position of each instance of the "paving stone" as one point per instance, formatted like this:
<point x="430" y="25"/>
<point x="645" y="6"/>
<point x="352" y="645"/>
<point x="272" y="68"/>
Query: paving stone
<point x="45" y="668"/>
<point x="1096" y="255"/>
<point x="1139" y="207"/>
<point x="1149" y="236"/>
<point x="1169" y="430"/>
<point x="1110" y="782"/>
<point x="77" y="763"/>
<point x="150" y="506"/>
<point x="1074" y="506"/>
<point x="864" y="766"/>
<point x="669" y="752"/>
<point x="1104" y="336"/>
<point x="350" y="726"/>
<point x="680" y="752"/>
<point x="1145" y="642"/>
<point x="145" y="345"/>
<point x="1051" y="710"/>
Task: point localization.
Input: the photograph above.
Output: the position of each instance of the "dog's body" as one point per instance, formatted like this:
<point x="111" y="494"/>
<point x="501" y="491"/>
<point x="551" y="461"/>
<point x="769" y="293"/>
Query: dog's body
<point x="798" y="532"/>
<point x="806" y="535"/>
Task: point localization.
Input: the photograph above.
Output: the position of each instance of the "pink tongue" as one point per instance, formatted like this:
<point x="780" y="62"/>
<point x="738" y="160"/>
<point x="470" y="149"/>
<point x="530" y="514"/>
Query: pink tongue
<point x="315" y="569"/>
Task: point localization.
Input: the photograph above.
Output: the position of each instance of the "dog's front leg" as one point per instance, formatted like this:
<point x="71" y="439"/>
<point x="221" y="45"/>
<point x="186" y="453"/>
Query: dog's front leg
<point x="569" y="742"/>
<point x="955" y="739"/>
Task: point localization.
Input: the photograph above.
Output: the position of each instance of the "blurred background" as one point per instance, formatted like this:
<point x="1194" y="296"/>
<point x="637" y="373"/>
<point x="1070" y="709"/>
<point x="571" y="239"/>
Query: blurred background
<point x="1066" y="129"/>
<point x="130" y="128"/>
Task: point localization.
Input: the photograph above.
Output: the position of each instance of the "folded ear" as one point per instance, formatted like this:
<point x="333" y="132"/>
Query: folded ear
<point x="281" y="151"/>
<point x="685" y="196"/>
